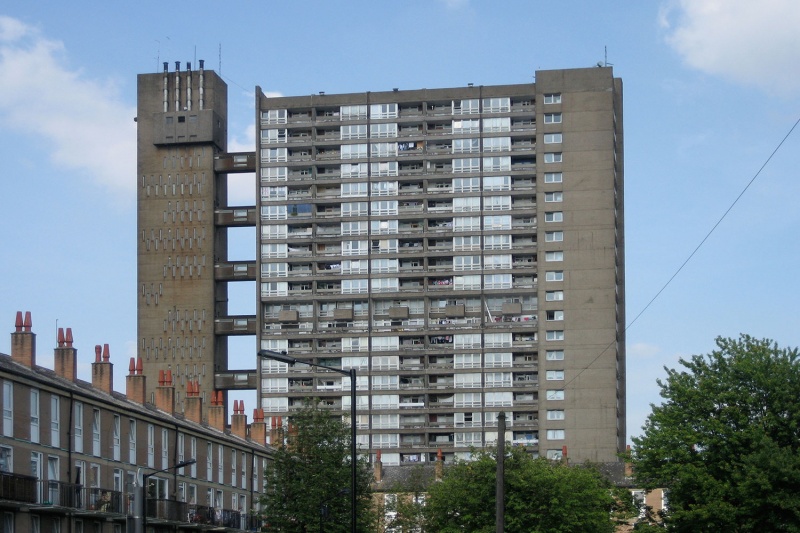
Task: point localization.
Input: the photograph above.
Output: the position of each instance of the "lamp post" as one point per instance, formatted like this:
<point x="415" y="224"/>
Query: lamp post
<point x="284" y="358"/>
<point x="141" y="499"/>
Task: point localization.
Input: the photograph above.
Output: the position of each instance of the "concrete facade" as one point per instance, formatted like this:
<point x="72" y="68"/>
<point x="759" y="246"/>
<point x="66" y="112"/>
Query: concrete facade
<point x="462" y="248"/>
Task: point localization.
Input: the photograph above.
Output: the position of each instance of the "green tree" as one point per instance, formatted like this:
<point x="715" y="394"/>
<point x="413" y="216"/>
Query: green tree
<point x="541" y="496"/>
<point x="308" y="481"/>
<point x="407" y="508"/>
<point x="725" y="441"/>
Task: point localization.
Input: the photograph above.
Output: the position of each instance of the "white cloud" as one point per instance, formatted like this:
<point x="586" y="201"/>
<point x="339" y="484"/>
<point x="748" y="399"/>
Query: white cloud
<point x="752" y="43"/>
<point x="84" y="124"/>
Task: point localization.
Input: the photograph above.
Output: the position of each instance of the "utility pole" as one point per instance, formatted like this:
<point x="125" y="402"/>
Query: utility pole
<point x="500" y="490"/>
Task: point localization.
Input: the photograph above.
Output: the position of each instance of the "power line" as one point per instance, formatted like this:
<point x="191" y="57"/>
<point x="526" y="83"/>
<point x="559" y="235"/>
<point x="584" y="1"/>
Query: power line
<point x="725" y="214"/>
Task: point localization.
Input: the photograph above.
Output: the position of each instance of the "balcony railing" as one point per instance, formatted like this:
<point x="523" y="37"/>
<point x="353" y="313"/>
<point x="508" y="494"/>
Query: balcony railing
<point x="18" y="488"/>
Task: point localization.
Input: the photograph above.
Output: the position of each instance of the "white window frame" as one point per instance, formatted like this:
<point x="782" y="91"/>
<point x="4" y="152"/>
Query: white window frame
<point x="553" y="177"/>
<point x="553" y="118"/>
<point x="554" y="256"/>
<point x="552" y="98"/>
<point x="553" y="138"/>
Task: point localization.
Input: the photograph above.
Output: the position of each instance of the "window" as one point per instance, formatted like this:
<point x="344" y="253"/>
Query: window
<point x="356" y="189"/>
<point x="491" y="222"/>
<point x="132" y="441"/>
<point x="6" y="461"/>
<point x="220" y="464"/>
<point x="181" y="445"/>
<point x="243" y="473"/>
<point x="354" y="170"/>
<point x="497" y="242"/>
<point x="554" y="316"/>
<point x="497" y="261"/>
<point x="55" y="421"/>
<point x="385" y="382"/>
<point x="273" y="193"/>
<point x="472" y="203"/>
<point x="78" y="414"/>
<point x="466" y="107"/>
<point x="165" y="449"/>
<point x="555" y="394"/>
<point x="552" y="138"/>
<point x="497" y="281"/>
<point x="383" y="130"/>
<point x="554" y="296"/>
<point x="384" y="246"/>
<point x="555" y="414"/>
<point x="273" y="136"/>
<point x="209" y="462"/>
<point x="553" y="177"/>
<point x="355" y="247"/>
<point x="555" y="335"/>
<point x="353" y="151"/>
<point x="34" y="415"/>
<point x="554" y="196"/>
<point x="466" y="146"/>
<point x="274" y="174"/>
<point x="96" y="432"/>
<point x="383" y="149"/>
<point x="554" y="256"/>
<point x="355" y="286"/>
<point x="151" y="445"/>
<point x="233" y="468"/>
<point x="193" y="455"/>
<point x="555" y="375"/>
<point x="554" y="275"/>
<point x="352" y="228"/>
<point x="552" y="98"/>
<point x="274" y="155"/>
<point x="8" y="409"/>
<point x="384" y="188"/>
<point x="274" y="270"/>
<point x="467" y="399"/>
<point x="466" y="184"/>
<point x="553" y="236"/>
<point x="384" y="266"/>
<point x="555" y="355"/>
<point x="554" y="157"/>
<point x="353" y="112"/>
<point x="497" y="163"/>
<point x="499" y="399"/>
<point x="466" y="126"/>
<point x="552" y="118"/>
<point x="497" y="183"/>
<point x="384" y="207"/>
<point x="466" y="262"/>
<point x="274" y="116"/>
<point x="497" y="203"/>
<point x="464" y="244"/>
<point x="383" y="111"/>
<point x="353" y="131"/>
<point x="555" y="434"/>
<point x="497" y="144"/>
<point x="467" y="283"/>
<point x="468" y="164"/>
<point x="273" y="212"/>
<point x="496" y="124"/>
<point x="466" y="223"/>
<point x="274" y="231"/>
<point x="387" y="168"/>
<point x="355" y="209"/>
<point x="496" y="105"/>
<point x="275" y="288"/>
<point x="554" y="216"/>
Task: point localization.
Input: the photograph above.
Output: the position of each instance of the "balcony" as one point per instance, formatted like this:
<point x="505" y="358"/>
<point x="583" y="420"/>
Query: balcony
<point x="18" y="488"/>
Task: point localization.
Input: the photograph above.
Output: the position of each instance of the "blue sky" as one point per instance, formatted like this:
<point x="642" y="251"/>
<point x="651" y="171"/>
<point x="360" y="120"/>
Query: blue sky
<point x="711" y="87"/>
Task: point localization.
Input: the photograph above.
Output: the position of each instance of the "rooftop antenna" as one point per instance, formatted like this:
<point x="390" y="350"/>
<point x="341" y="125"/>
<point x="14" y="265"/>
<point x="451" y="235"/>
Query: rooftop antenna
<point x="605" y="62"/>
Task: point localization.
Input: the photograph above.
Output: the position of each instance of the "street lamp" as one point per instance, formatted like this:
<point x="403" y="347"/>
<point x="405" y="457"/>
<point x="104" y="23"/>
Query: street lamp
<point x="141" y="499"/>
<point x="284" y="358"/>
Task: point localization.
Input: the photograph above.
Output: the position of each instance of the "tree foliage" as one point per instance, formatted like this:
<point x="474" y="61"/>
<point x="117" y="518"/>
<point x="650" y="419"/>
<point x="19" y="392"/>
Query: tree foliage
<point x="541" y="496"/>
<point x="725" y="441"/>
<point x="308" y="481"/>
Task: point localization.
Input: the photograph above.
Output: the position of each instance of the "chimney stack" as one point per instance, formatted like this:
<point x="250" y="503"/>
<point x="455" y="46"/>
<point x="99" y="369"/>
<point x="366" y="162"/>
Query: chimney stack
<point x="564" y="458"/>
<point x="438" y="468"/>
<point x="193" y="404"/>
<point x="276" y="431"/>
<point x="102" y="370"/>
<point x="65" y="356"/>
<point x="23" y="341"/>
<point x="216" y="412"/>
<point x="135" y="382"/>
<point x="239" y="420"/>
<point x="165" y="392"/>
<point x="258" y="429"/>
